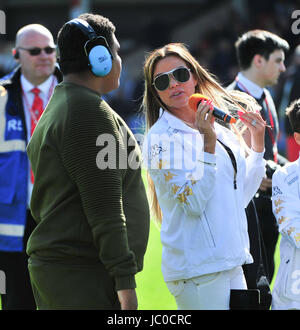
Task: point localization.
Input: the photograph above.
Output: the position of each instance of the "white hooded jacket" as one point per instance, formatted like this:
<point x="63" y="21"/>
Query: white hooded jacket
<point x="204" y="226"/>
<point x="286" y="208"/>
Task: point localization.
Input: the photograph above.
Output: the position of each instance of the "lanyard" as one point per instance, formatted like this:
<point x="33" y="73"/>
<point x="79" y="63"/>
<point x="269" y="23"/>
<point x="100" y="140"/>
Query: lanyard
<point x="33" y="115"/>
<point x="270" y="118"/>
<point x="233" y="161"/>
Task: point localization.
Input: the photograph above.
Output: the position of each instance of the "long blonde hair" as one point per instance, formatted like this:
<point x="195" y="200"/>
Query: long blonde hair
<point x="230" y="101"/>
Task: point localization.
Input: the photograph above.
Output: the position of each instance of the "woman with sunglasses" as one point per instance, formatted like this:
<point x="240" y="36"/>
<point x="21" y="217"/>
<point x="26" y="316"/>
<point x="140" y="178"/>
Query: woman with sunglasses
<point x="202" y="175"/>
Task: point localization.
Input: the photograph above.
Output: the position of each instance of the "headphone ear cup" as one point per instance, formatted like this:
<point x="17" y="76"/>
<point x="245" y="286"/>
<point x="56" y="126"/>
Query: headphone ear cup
<point x="100" y="61"/>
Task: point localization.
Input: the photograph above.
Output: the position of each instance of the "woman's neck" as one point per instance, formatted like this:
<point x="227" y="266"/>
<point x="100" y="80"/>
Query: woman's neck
<point x="186" y="115"/>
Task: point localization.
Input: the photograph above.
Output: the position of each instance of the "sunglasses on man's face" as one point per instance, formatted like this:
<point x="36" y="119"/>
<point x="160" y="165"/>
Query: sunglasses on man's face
<point x="37" y="51"/>
<point x="180" y="74"/>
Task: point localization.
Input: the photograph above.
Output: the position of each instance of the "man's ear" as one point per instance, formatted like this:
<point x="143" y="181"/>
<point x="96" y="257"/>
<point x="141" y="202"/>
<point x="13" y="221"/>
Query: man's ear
<point x="15" y="53"/>
<point x="258" y="60"/>
<point x="297" y="138"/>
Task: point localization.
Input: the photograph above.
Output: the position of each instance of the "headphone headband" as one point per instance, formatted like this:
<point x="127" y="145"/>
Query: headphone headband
<point x="85" y="27"/>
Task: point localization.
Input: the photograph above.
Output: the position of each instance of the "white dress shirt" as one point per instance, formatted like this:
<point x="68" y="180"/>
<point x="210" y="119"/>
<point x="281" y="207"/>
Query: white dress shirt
<point x="252" y="88"/>
<point x="28" y="98"/>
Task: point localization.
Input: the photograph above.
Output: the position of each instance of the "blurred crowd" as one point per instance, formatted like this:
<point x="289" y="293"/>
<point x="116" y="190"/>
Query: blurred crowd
<point x="215" y="51"/>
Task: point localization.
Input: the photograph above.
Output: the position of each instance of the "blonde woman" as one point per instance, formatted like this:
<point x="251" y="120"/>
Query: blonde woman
<point x="200" y="176"/>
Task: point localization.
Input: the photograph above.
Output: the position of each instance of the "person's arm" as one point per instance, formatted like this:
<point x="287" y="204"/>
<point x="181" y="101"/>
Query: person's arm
<point x="255" y="164"/>
<point x="128" y="299"/>
<point x="180" y="169"/>
<point x="286" y="204"/>
<point x="190" y="189"/>
<point x="255" y="172"/>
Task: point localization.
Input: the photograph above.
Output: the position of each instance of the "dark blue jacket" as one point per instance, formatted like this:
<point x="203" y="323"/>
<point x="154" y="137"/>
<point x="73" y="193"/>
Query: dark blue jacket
<point x="13" y="163"/>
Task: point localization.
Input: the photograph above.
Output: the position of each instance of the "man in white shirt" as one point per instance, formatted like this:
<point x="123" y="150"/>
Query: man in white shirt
<point x="286" y="209"/>
<point x="20" y="109"/>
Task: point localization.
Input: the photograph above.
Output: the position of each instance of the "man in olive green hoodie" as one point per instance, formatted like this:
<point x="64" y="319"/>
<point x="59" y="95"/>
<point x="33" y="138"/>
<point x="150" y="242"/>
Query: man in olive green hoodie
<point x="92" y="214"/>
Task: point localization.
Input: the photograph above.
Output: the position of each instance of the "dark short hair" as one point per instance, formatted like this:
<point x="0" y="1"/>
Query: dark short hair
<point x="259" y="42"/>
<point x="71" y="41"/>
<point x="293" y="113"/>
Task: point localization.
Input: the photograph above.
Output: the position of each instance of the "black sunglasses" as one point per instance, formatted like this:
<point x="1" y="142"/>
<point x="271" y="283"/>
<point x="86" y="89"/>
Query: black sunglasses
<point x="180" y="74"/>
<point x="37" y="51"/>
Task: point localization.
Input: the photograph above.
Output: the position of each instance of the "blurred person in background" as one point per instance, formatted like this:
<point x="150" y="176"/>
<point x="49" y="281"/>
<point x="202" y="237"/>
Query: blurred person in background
<point x="200" y="179"/>
<point x="286" y="208"/>
<point x="92" y="213"/>
<point x="24" y="93"/>
<point x="287" y="92"/>
<point x="261" y="56"/>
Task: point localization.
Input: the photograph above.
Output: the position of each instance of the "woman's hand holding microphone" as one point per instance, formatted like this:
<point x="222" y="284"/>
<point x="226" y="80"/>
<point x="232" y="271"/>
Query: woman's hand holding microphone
<point x="204" y="122"/>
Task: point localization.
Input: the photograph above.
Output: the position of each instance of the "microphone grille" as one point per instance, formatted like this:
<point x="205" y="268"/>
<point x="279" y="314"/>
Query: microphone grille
<point x="195" y="99"/>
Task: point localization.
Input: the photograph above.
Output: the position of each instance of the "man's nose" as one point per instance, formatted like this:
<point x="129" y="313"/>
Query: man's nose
<point x="282" y="67"/>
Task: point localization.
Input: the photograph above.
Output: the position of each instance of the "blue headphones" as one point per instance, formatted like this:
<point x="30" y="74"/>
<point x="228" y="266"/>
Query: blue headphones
<point x="96" y="49"/>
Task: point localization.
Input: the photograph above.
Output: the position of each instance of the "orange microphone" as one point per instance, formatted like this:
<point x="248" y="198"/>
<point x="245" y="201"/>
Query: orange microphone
<point x="194" y="101"/>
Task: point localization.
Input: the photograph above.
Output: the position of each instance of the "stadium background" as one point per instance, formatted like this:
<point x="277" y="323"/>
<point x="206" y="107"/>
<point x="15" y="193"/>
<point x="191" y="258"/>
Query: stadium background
<point x="208" y="27"/>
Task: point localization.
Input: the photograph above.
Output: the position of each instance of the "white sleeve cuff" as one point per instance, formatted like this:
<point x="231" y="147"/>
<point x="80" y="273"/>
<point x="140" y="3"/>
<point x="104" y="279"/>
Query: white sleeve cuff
<point x="256" y="156"/>
<point x="209" y="158"/>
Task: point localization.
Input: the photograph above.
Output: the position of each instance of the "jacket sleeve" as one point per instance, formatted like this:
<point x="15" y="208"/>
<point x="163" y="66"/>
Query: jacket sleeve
<point x="255" y="171"/>
<point x="180" y="170"/>
<point x="286" y="204"/>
